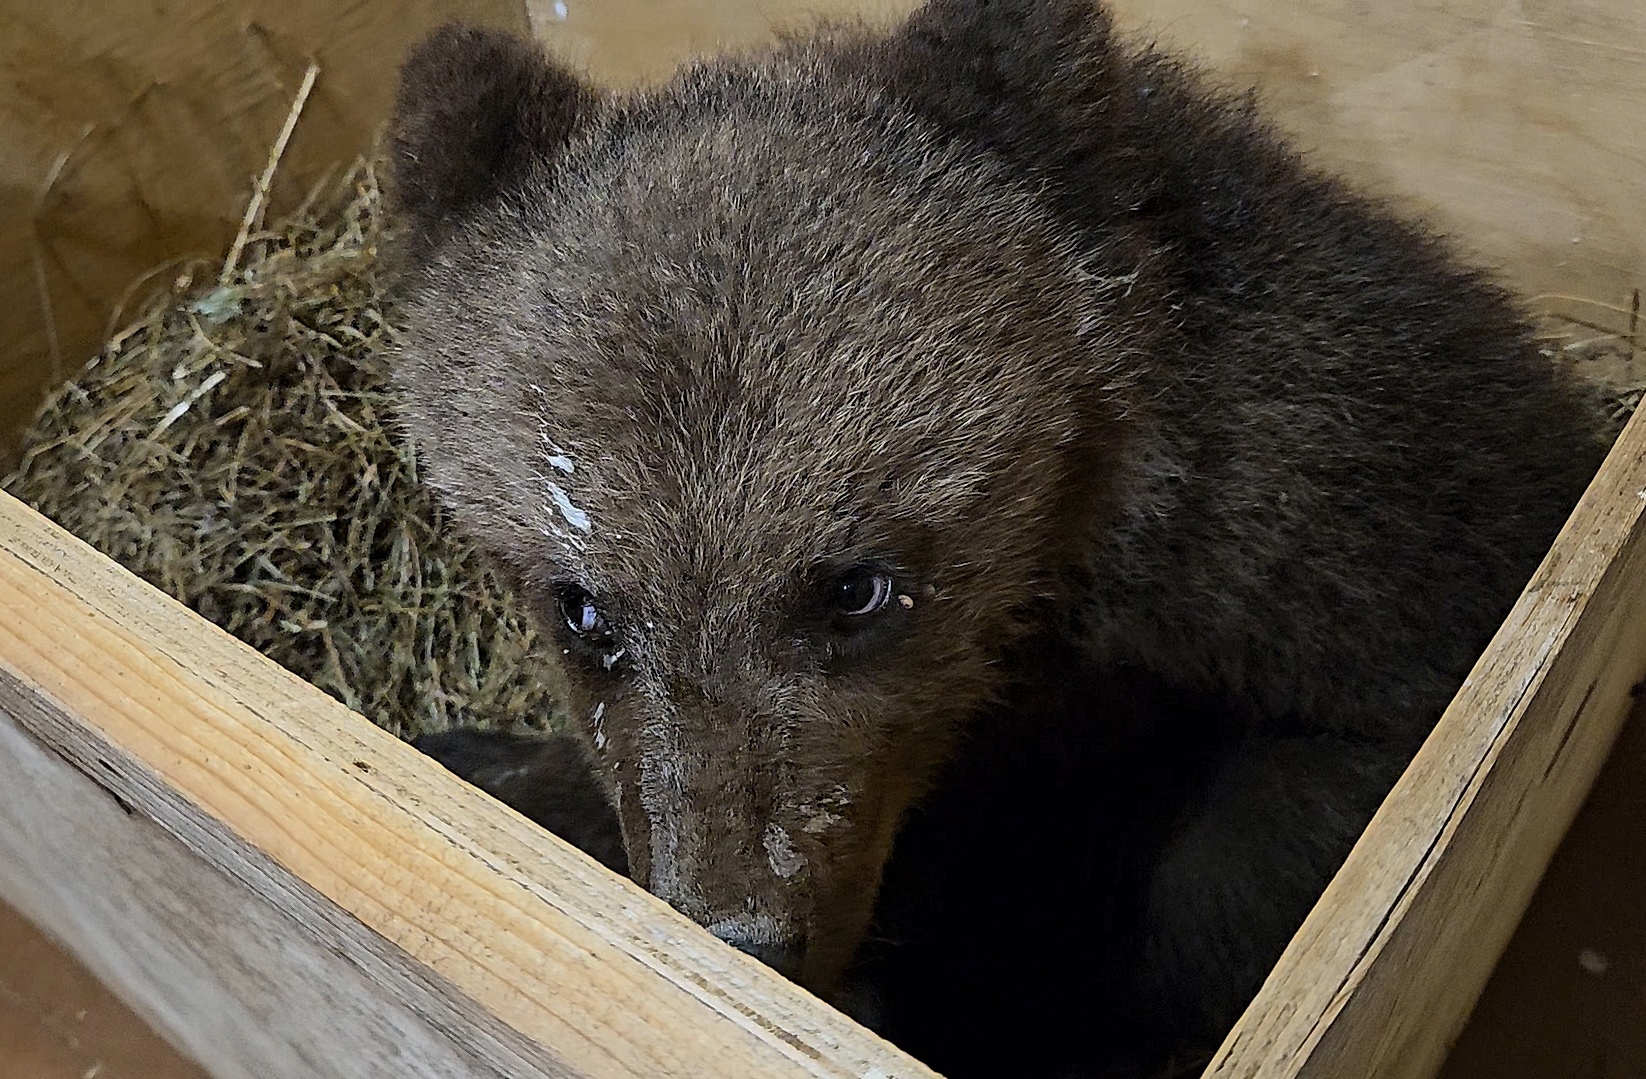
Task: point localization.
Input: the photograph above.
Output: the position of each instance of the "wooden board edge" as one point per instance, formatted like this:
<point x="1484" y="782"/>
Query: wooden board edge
<point x="528" y="957"/>
<point x="252" y="974"/>
<point x="1382" y="975"/>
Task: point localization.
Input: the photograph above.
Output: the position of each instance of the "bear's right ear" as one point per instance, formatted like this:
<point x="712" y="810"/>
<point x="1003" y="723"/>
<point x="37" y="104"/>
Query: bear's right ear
<point x="475" y="110"/>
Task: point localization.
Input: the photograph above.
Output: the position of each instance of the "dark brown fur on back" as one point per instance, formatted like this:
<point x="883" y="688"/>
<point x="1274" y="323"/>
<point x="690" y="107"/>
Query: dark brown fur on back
<point x="1194" y="481"/>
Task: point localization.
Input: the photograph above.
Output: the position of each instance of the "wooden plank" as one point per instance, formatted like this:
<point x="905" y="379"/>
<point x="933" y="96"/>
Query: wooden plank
<point x="1382" y="976"/>
<point x="240" y="983"/>
<point x="286" y="890"/>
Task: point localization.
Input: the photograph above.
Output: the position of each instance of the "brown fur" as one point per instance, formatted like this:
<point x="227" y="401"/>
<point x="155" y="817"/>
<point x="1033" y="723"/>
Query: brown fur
<point x="548" y="778"/>
<point x="1200" y="478"/>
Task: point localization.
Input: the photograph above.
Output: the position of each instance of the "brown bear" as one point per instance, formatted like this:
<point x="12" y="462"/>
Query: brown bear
<point x="1006" y="519"/>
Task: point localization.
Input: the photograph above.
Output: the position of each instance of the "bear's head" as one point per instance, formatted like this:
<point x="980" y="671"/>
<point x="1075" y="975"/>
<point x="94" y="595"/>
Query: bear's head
<point x="783" y="411"/>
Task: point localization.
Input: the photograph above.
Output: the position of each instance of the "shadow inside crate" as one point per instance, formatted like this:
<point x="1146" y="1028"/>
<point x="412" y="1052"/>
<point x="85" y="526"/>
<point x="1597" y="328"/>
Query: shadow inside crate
<point x="1568" y="998"/>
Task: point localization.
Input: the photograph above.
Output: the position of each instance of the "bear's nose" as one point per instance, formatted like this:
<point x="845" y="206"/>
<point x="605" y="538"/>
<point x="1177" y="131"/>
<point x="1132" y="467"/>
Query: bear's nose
<point x="783" y="956"/>
<point x="761" y="938"/>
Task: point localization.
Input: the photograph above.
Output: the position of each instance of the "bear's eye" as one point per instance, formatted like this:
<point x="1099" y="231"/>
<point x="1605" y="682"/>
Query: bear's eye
<point x="861" y="591"/>
<point x="583" y="617"/>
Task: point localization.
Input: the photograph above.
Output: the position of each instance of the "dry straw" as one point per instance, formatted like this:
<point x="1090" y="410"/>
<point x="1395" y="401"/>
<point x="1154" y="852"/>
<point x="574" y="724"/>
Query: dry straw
<point x="235" y="447"/>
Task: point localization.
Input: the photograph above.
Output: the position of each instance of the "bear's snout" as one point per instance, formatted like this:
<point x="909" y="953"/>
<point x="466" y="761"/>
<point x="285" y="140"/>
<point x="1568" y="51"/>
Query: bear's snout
<point x="763" y="939"/>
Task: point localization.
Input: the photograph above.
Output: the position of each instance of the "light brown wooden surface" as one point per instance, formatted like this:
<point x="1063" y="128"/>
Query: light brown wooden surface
<point x="1518" y="125"/>
<point x="58" y="1022"/>
<point x="131" y="132"/>
<point x="248" y="970"/>
<point x="1383" y="974"/>
<point x="288" y="891"/>
<point x="625" y="42"/>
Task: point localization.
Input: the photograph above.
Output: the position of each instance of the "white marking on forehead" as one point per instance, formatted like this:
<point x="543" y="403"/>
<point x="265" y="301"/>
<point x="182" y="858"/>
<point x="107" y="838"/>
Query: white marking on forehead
<point x="562" y="502"/>
<point x="555" y="532"/>
<point x="780" y="853"/>
<point x="561" y="462"/>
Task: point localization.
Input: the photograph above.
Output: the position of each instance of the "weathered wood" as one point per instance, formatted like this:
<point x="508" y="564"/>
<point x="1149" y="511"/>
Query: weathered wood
<point x="1383" y="974"/>
<point x="288" y="891"/>
<point x="59" y="1021"/>
<point x="240" y="983"/>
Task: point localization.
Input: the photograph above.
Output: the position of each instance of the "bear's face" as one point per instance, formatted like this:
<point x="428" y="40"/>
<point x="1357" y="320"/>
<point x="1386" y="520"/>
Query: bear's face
<point x="777" y="415"/>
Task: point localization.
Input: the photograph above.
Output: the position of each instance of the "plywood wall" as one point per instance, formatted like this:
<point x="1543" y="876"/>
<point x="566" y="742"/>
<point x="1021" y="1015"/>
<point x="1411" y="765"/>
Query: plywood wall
<point x="1520" y="125"/>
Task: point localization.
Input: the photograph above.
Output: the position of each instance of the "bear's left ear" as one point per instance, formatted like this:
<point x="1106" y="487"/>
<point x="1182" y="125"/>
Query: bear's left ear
<point x="476" y="108"/>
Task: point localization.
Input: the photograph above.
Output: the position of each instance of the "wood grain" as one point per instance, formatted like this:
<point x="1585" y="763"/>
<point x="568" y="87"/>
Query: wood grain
<point x="1382" y="976"/>
<point x="250" y="987"/>
<point x="288" y="891"/>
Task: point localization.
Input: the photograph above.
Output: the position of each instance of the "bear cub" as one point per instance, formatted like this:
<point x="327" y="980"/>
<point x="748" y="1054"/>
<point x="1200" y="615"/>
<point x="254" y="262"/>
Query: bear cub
<point x="1005" y="519"/>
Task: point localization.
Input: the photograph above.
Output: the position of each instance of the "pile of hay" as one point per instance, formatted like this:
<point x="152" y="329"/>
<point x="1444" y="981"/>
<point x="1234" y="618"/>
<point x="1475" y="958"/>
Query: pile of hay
<point x="234" y="447"/>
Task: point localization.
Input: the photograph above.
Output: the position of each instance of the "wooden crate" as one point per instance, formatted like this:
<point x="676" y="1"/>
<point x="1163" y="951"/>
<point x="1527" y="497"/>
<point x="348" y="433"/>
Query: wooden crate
<point x="286" y="891"/>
